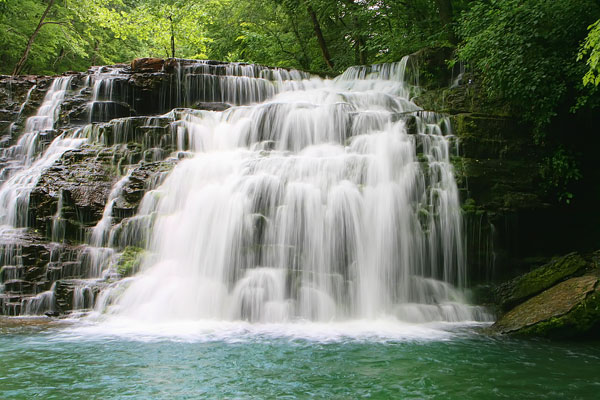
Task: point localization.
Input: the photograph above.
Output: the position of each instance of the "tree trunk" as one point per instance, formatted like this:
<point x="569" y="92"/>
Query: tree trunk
<point x="359" y="42"/>
<point x="320" y="38"/>
<point x="172" y="37"/>
<point x="305" y="59"/>
<point x="445" y="9"/>
<point x="23" y="60"/>
<point x="95" y="55"/>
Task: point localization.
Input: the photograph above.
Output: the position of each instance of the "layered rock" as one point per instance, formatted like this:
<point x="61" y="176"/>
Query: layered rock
<point x="560" y="299"/>
<point x="568" y="309"/>
<point x="83" y="230"/>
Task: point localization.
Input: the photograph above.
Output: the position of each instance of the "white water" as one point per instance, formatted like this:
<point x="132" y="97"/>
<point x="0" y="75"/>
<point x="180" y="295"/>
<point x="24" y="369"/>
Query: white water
<point x="313" y="205"/>
<point x="31" y="157"/>
<point x="312" y="200"/>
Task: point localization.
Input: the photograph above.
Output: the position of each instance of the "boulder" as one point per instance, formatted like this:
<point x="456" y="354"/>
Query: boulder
<point x="211" y="106"/>
<point x="569" y="309"/>
<point x="525" y="286"/>
<point x="147" y="64"/>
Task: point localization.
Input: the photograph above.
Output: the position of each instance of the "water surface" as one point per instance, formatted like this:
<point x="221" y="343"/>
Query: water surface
<point x="236" y="360"/>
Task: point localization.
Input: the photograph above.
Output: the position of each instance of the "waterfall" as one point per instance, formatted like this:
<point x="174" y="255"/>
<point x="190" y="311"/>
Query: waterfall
<point x="294" y="198"/>
<point x="330" y="200"/>
<point x="106" y="100"/>
<point x="36" y="150"/>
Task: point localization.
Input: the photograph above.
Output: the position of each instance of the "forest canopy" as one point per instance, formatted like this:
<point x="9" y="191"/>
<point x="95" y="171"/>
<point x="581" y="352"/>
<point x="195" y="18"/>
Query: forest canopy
<point x="540" y="59"/>
<point x="314" y="35"/>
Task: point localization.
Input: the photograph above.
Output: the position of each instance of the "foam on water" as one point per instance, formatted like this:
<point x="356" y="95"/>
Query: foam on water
<point x="195" y="331"/>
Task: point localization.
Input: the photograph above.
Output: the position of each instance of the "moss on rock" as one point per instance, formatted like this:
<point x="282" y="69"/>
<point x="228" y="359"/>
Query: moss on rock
<point x="130" y="260"/>
<point x="540" y="279"/>
<point x="569" y="309"/>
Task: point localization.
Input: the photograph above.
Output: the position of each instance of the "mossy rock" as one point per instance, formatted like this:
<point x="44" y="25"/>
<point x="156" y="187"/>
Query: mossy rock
<point x="569" y="309"/>
<point x="540" y="279"/>
<point x="130" y="260"/>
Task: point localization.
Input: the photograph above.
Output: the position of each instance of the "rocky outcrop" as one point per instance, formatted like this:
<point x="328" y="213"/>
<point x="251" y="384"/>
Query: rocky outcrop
<point x="568" y="309"/>
<point x="560" y="299"/>
<point x="147" y="65"/>
<point x="83" y="178"/>
<point x="30" y="264"/>
<point x="513" y="223"/>
<point x="525" y="286"/>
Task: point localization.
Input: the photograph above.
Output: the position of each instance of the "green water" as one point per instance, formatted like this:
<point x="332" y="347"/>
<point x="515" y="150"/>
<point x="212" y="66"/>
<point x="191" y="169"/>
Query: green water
<point x="49" y="361"/>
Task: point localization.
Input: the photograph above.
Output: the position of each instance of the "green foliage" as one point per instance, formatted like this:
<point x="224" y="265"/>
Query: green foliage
<point x="525" y="51"/>
<point x="79" y="33"/>
<point x="70" y="39"/>
<point x="591" y="48"/>
<point x="560" y="171"/>
<point x="153" y="22"/>
<point x="526" y="54"/>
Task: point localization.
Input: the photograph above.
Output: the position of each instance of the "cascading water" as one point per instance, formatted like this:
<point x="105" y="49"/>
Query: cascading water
<point x="306" y="199"/>
<point x="319" y="204"/>
<point x="29" y="157"/>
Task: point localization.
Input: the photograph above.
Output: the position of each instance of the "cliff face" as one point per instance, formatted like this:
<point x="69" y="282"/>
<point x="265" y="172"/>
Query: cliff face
<point x="514" y="224"/>
<point x="69" y="197"/>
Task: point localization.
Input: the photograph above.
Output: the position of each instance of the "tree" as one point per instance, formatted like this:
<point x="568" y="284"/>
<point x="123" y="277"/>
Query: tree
<point x="23" y="59"/>
<point x="591" y="50"/>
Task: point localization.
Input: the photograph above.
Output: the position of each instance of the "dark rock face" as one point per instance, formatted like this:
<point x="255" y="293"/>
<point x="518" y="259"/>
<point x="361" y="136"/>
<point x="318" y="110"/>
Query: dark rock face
<point x="83" y="178"/>
<point x="29" y="266"/>
<point x="20" y="97"/>
<point x="45" y="269"/>
<point x="512" y="223"/>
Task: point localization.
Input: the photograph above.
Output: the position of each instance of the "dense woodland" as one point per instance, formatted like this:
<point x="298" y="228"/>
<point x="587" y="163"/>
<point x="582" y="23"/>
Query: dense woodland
<point x="538" y="59"/>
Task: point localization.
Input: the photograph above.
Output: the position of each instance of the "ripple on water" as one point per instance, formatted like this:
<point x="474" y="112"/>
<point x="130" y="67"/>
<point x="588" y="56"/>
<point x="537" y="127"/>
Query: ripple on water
<point x="92" y="360"/>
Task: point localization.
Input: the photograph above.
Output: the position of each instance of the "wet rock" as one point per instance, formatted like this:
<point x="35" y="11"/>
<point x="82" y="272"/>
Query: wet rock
<point x="568" y="309"/>
<point x="76" y="294"/>
<point x="27" y="259"/>
<point x="52" y="314"/>
<point x="171" y="64"/>
<point x="129" y="261"/>
<point x="432" y="67"/>
<point x="145" y="176"/>
<point x="16" y="108"/>
<point x="208" y="106"/>
<point x="523" y="287"/>
<point x="83" y="177"/>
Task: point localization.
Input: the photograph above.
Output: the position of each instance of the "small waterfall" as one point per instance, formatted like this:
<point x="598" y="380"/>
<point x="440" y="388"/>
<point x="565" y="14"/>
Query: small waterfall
<point x="40" y="304"/>
<point x="107" y="101"/>
<point x="101" y="231"/>
<point x="21" y="109"/>
<point x="58" y="222"/>
<point x="34" y="152"/>
<point x="47" y="114"/>
<point x="83" y="297"/>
